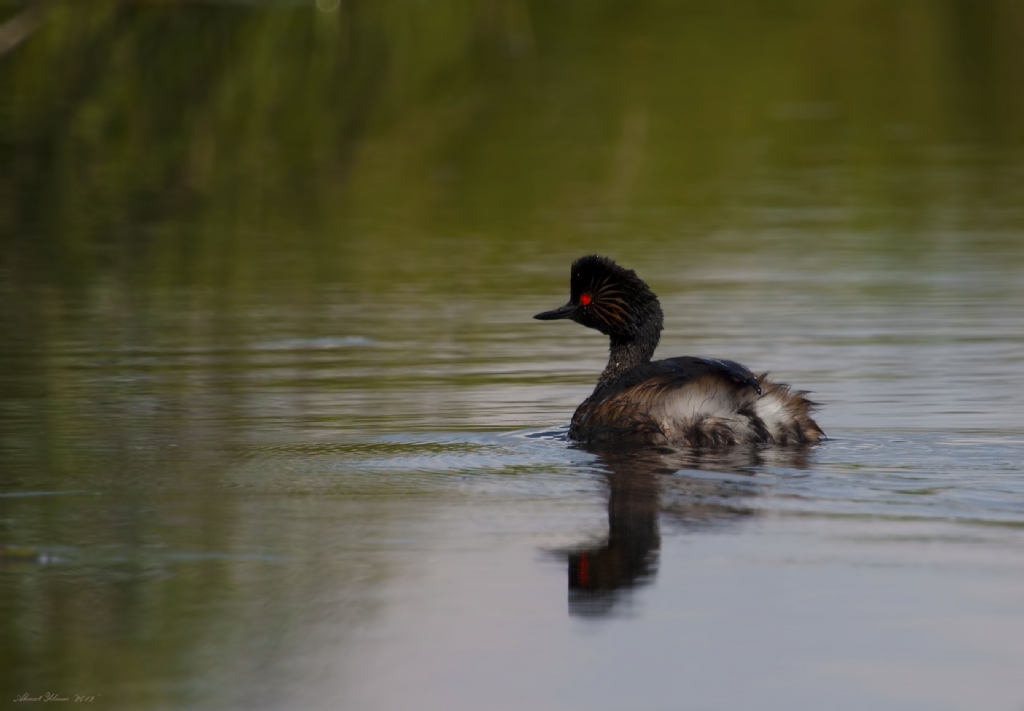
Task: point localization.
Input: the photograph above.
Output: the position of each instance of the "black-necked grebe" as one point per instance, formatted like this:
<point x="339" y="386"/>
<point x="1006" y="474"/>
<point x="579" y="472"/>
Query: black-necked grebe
<point x="687" y="401"/>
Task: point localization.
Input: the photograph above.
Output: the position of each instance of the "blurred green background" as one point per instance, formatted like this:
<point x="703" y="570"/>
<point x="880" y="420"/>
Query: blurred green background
<point x="247" y="144"/>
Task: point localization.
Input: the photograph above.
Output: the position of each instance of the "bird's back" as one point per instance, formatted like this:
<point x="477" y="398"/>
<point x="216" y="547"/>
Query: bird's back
<point x="695" y="402"/>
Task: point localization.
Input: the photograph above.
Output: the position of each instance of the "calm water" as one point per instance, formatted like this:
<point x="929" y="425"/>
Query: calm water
<point x="277" y="430"/>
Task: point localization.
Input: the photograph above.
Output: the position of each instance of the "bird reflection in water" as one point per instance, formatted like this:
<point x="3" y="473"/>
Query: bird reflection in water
<point x="646" y="485"/>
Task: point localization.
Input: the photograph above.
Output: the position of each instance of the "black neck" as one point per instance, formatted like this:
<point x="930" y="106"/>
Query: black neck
<point x="627" y="353"/>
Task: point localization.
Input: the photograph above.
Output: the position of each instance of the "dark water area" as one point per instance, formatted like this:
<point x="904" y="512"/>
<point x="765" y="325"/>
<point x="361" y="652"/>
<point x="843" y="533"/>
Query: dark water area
<point x="277" y="429"/>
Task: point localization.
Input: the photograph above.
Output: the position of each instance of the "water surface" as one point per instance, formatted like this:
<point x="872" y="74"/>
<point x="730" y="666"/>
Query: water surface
<point x="278" y="432"/>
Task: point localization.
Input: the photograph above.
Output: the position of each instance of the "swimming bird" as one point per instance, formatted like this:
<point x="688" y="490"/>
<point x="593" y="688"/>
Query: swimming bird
<point x="689" y="401"/>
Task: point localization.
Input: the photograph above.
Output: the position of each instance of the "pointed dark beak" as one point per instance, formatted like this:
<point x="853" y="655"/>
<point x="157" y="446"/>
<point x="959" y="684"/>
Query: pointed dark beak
<point x="560" y="312"/>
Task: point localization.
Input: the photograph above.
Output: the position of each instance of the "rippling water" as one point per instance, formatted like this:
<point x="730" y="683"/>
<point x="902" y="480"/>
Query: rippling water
<point x="277" y="429"/>
<point x="374" y="505"/>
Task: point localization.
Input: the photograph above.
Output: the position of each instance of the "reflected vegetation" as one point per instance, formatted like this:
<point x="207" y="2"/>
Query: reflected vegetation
<point x="275" y="144"/>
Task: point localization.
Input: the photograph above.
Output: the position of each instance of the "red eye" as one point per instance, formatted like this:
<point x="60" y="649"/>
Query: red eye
<point x="585" y="299"/>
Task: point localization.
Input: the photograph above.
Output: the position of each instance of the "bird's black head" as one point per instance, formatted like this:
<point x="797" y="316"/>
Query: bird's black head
<point x="611" y="299"/>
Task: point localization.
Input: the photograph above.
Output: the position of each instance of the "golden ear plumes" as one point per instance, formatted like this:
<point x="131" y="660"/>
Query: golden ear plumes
<point x="607" y="302"/>
<point x="619" y="299"/>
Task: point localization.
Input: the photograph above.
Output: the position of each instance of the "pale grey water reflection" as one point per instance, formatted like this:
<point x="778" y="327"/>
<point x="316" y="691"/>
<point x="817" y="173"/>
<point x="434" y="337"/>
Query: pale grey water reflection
<point x="358" y="512"/>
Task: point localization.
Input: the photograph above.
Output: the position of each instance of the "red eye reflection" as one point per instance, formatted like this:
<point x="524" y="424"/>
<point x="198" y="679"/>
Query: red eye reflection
<point x="585" y="299"/>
